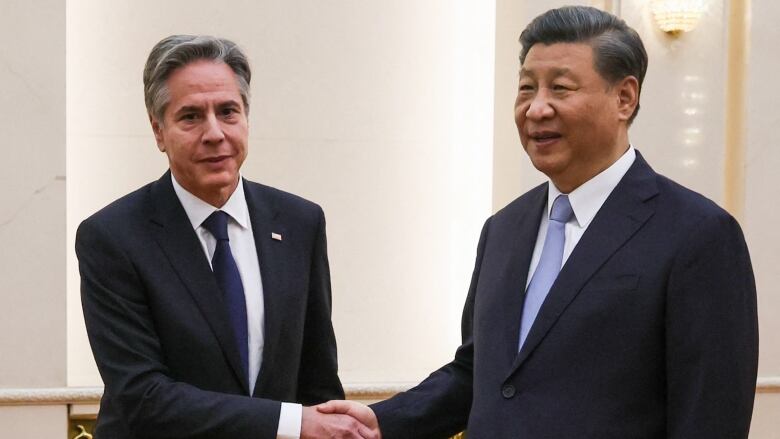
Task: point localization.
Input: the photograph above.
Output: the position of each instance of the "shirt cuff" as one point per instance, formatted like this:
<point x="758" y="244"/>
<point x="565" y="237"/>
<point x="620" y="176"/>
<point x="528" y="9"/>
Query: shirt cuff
<point x="290" y="421"/>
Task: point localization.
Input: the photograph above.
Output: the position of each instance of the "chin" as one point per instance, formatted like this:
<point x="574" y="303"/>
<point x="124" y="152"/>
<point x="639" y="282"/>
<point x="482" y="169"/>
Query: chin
<point x="221" y="180"/>
<point x="548" y="165"/>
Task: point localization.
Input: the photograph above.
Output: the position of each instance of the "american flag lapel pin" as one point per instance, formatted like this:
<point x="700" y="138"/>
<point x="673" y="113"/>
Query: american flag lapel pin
<point x="276" y="236"/>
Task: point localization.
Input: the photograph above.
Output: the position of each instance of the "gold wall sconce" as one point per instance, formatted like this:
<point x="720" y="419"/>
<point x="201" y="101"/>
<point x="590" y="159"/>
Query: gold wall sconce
<point x="677" y="16"/>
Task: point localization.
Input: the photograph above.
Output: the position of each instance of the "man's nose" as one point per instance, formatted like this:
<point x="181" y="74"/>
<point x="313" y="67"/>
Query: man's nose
<point x="212" y="130"/>
<point x="540" y="107"/>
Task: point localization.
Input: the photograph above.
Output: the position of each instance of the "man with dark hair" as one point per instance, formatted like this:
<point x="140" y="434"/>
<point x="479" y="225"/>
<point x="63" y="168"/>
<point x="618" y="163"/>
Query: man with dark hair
<point x="207" y="296"/>
<point x="606" y="303"/>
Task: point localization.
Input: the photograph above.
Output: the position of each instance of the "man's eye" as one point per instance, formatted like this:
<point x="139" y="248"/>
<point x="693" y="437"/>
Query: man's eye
<point x="228" y="111"/>
<point x="559" y="87"/>
<point x="526" y="87"/>
<point x="189" y="116"/>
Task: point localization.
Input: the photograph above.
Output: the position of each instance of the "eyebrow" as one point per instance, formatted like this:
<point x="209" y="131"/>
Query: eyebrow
<point x="556" y="72"/>
<point x="228" y="103"/>
<point x="188" y="109"/>
<point x="199" y="108"/>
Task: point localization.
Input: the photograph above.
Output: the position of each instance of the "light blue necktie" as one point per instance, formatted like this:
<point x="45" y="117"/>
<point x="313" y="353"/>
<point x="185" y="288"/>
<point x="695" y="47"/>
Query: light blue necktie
<point x="549" y="265"/>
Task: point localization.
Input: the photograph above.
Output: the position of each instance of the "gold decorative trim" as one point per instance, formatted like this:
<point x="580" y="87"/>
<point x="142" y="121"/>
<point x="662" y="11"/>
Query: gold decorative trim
<point x="768" y="385"/>
<point x="376" y="392"/>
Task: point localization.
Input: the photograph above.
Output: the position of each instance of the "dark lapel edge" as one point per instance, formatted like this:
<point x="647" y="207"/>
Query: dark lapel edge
<point x="174" y="234"/>
<point x="264" y="216"/>
<point x="624" y="212"/>
<point x="520" y="248"/>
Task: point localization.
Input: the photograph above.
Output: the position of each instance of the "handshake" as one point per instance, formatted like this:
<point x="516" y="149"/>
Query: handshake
<point x="339" y="420"/>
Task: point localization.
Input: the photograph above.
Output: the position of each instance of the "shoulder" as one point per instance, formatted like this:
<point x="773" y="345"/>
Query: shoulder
<point x="123" y="212"/>
<point x="689" y="221"/>
<point x="688" y="208"/>
<point x="116" y="228"/>
<point x="530" y="203"/>
<point x="285" y="203"/>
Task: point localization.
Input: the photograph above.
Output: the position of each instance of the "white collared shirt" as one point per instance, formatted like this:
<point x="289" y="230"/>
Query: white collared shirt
<point x="585" y="201"/>
<point x="242" y="246"/>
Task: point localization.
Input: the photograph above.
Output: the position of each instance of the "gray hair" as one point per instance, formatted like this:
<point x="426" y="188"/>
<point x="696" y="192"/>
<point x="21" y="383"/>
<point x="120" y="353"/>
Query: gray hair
<point x="618" y="51"/>
<point x="177" y="51"/>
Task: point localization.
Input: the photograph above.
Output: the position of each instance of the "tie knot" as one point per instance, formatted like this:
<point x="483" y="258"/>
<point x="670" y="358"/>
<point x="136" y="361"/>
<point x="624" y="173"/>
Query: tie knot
<point x="216" y="224"/>
<point x="561" y="210"/>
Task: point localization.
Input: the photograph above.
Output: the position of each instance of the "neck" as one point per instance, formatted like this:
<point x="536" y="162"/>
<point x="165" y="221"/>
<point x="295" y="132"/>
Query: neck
<point x="216" y="196"/>
<point x="219" y="197"/>
<point x="570" y="180"/>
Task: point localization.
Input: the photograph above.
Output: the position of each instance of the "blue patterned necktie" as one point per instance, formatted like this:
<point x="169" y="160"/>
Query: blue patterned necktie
<point x="229" y="281"/>
<point x="549" y="265"/>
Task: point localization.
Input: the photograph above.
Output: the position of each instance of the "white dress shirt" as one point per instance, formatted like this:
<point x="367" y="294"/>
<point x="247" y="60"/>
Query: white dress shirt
<point x="585" y="201"/>
<point x="242" y="246"/>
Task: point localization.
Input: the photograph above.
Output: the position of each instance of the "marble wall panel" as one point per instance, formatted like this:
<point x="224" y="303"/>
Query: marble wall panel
<point x="762" y="161"/>
<point x="32" y="211"/>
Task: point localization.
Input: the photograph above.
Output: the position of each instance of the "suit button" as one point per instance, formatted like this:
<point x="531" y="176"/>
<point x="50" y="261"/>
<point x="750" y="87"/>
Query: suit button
<point x="508" y="391"/>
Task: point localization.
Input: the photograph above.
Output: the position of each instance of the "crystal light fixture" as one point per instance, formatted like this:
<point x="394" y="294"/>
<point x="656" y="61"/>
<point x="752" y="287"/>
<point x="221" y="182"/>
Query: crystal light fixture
<point x="676" y="16"/>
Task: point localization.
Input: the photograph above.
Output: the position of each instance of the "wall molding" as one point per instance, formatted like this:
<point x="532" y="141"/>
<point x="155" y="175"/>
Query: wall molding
<point x="768" y="384"/>
<point x="91" y="395"/>
<point x="51" y="396"/>
<point x="735" y="108"/>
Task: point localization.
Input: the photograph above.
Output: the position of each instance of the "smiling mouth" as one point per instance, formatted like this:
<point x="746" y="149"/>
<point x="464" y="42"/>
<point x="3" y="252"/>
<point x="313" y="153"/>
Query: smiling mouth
<point x="216" y="159"/>
<point x="545" y="137"/>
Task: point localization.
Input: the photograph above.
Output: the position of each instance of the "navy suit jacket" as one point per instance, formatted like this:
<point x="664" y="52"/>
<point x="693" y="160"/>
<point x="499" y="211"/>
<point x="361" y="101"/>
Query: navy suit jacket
<point x="649" y="331"/>
<point x="159" y="330"/>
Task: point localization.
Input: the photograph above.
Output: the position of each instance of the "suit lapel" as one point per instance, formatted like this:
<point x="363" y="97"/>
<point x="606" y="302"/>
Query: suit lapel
<point x="624" y="212"/>
<point x="173" y="232"/>
<point x="513" y="276"/>
<point x="273" y="255"/>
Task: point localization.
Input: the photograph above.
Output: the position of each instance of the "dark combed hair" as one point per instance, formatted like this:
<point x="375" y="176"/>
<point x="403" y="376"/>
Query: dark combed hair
<point x="618" y="51"/>
<point x="175" y="52"/>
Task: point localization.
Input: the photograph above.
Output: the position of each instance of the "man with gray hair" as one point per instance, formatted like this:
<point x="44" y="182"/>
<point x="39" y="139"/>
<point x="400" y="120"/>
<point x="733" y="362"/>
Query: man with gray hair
<point x="607" y="303"/>
<point x="206" y="296"/>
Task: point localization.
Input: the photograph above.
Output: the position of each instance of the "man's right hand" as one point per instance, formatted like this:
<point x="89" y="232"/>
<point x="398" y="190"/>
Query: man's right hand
<point x="316" y="425"/>
<point x="356" y="410"/>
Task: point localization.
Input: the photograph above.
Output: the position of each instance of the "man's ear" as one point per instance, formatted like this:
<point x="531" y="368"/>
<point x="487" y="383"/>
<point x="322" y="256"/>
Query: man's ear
<point x="627" y="96"/>
<point x="158" y="136"/>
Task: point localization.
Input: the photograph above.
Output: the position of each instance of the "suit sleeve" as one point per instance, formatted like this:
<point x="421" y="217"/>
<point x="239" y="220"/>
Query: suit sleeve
<point x="130" y="360"/>
<point x="712" y="334"/>
<point x="318" y="378"/>
<point x="439" y="406"/>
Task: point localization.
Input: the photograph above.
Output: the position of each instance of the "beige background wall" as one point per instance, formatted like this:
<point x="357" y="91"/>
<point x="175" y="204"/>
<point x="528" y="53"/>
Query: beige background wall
<point x="762" y="214"/>
<point x="32" y="211"/>
<point x="32" y="221"/>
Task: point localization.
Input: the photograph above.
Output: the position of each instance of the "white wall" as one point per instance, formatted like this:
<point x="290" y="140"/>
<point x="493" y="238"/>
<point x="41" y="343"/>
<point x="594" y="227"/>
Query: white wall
<point x="379" y="111"/>
<point x="32" y="211"/>
<point x="762" y="215"/>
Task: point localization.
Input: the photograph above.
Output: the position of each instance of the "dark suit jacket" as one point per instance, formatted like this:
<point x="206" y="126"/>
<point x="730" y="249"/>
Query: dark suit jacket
<point x="159" y="330"/>
<point x="649" y="331"/>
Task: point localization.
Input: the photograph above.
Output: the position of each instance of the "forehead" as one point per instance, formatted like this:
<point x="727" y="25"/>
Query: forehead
<point x="559" y="58"/>
<point x="202" y="77"/>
